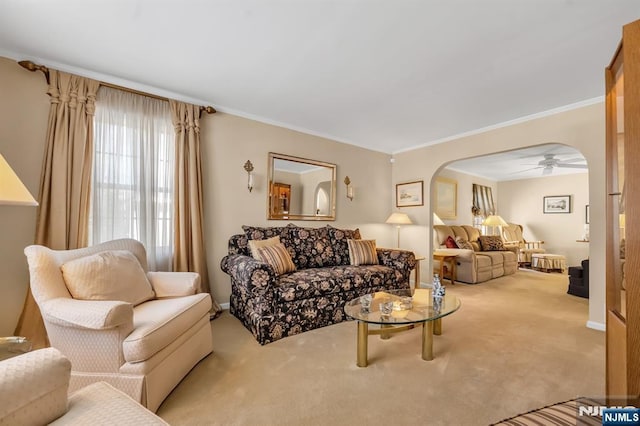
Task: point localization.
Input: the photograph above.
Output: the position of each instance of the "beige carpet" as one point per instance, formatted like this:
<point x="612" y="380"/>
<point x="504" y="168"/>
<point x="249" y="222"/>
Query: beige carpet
<point x="517" y="343"/>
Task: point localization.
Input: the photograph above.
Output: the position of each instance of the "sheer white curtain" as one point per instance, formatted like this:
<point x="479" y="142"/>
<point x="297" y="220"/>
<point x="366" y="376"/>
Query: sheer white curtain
<point x="133" y="173"/>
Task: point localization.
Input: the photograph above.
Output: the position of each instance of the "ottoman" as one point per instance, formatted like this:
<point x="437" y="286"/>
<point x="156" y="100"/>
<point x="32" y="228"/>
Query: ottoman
<point x="547" y="262"/>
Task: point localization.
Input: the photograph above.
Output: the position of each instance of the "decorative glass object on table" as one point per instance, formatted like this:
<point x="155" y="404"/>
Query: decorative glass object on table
<point x="13" y="346"/>
<point x="365" y="303"/>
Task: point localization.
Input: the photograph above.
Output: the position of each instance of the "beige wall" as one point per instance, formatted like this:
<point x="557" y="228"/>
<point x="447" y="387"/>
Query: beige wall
<point x="582" y="128"/>
<point x="521" y="202"/>
<point x="24" y="108"/>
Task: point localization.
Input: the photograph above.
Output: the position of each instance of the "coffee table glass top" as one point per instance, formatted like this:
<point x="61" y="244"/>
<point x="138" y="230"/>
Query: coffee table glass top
<point x="406" y="309"/>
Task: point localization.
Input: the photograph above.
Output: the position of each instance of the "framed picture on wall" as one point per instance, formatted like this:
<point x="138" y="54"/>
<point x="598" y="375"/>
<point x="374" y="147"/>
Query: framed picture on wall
<point x="556" y="204"/>
<point x="446" y="198"/>
<point x="410" y="194"/>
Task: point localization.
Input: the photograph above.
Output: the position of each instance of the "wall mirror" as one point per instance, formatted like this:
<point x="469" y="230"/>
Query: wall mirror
<point x="301" y="189"/>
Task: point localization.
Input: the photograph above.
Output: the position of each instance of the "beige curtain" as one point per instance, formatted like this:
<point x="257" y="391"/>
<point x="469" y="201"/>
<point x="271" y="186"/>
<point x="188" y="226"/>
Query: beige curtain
<point x="65" y="180"/>
<point x="189" y="252"/>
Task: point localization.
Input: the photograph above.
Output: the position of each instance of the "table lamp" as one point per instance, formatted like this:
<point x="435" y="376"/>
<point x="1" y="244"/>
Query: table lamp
<point x="399" y="219"/>
<point x="493" y="221"/>
<point x="12" y="190"/>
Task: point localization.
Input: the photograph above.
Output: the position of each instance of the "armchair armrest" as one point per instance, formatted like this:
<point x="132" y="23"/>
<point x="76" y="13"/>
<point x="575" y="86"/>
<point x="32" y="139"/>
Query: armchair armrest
<point x="40" y="395"/>
<point x="92" y="314"/>
<point x="401" y="260"/>
<point x="254" y="277"/>
<point x="174" y="284"/>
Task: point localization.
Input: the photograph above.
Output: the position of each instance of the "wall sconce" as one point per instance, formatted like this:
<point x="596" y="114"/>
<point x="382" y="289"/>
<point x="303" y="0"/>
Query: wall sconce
<point x="347" y="182"/>
<point x="248" y="166"/>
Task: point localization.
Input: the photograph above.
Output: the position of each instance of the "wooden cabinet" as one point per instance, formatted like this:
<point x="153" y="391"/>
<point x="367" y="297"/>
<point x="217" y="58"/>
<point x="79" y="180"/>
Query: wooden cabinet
<point x="622" y="221"/>
<point x="280" y="199"/>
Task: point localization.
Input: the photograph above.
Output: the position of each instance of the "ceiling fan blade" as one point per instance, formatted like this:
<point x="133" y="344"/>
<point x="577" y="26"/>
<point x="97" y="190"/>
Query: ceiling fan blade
<point x="525" y="170"/>
<point x="573" y="166"/>
<point x="547" y="171"/>
<point x="574" y="160"/>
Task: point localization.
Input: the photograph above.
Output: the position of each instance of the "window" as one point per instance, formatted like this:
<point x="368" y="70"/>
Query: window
<point x="133" y="173"/>
<point x="482" y="203"/>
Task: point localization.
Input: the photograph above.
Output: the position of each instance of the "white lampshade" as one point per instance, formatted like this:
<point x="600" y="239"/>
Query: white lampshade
<point x="12" y="190"/>
<point x="494" y="220"/>
<point x="437" y="220"/>
<point x="399" y="219"/>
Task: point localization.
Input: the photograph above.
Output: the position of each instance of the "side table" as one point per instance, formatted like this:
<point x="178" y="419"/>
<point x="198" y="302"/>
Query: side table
<point x="446" y="258"/>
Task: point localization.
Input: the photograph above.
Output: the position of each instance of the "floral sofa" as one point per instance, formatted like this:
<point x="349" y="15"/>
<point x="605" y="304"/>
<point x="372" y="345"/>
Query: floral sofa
<point x="314" y="295"/>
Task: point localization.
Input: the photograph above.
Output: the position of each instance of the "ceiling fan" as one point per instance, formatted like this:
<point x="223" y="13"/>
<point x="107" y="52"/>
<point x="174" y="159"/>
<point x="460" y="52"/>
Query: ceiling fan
<point x="550" y="162"/>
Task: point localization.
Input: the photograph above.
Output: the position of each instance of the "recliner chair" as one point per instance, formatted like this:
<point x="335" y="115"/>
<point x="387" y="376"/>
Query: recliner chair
<point x="512" y="235"/>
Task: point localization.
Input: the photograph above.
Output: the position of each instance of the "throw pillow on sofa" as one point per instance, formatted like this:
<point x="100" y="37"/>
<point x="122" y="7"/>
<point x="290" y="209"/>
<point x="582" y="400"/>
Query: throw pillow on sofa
<point x="362" y="252"/>
<point x="463" y="244"/>
<point x="278" y="257"/>
<point x="450" y="242"/>
<point x="338" y="239"/>
<point x="108" y="275"/>
<point x="491" y="243"/>
<point x="254" y="245"/>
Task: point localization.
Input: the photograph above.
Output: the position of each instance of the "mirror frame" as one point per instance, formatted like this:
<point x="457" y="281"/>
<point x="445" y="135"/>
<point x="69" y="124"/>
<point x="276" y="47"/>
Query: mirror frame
<point x="330" y="217"/>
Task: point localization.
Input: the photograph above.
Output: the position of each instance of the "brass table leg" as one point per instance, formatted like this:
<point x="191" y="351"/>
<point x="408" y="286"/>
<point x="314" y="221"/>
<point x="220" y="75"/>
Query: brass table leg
<point x="437" y="327"/>
<point x="383" y="335"/>
<point x="427" y="340"/>
<point x="363" y="336"/>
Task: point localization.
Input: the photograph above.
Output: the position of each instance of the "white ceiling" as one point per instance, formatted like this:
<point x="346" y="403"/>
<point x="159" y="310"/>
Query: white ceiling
<point x="522" y="163"/>
<point x="386" y="75"/>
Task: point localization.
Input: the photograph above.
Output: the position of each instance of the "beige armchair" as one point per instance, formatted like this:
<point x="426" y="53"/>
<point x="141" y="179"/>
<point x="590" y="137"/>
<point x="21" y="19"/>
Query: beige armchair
<point x="139" y="331"/>
<point x="512" y="235"/>
<point x="33" y="391"/>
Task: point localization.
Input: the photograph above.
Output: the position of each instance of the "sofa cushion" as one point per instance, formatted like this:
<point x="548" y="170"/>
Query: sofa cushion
<point x="308" y="283"/>
<point x="496" y="257"/>
<point x="157" y="323"/>
<point x="261" y="233"/>
<point x="463" y="244"/>
<point x="278" y="257"/>
<point x="338" y="239"/>
<point x="108" y="275"/>
<point x="362" y="252"/>
<point x="256" y="244"/>
<point x="491" y="243"/>
<point x="308" y="247"/>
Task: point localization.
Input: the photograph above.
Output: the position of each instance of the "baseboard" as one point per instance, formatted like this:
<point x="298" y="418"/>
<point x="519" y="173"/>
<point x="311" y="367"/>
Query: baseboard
<point x="224" y="306"/>
<point x="596" y="326"/>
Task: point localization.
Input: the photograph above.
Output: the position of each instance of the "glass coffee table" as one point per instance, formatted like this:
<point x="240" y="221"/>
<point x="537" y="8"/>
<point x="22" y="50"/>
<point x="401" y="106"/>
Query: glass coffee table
<point x="398" y="310"/>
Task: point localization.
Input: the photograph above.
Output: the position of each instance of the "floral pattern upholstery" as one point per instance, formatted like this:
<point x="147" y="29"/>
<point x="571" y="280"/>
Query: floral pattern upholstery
<point x="273" y="307"/>
<point x="308" y="247"/>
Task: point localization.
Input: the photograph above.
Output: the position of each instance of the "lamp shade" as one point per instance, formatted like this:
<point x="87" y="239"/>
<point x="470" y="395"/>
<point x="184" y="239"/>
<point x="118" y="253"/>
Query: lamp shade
<point x="437" y="220"/>
<point x="12" y="190"/>
<point x="399" y="219"/>
<point x="494" y="220"/>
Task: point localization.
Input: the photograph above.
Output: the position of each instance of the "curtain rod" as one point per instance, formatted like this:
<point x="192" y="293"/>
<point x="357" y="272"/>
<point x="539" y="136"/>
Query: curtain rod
<point x="29" y="65"/>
